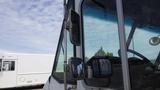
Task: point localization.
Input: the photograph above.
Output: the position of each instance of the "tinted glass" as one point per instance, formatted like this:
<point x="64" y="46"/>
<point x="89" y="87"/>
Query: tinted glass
<point x="60" y="60"/>
<point x="101" y="40"/>
<point x="142" y="54"/>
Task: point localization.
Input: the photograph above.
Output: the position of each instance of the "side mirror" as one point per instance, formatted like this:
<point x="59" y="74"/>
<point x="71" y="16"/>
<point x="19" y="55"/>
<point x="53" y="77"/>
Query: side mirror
<point x="77" y="68"/>
<point x="74" y="28"/>
<point x="101" y="67"/>
<point x="101" y="71"/>
<point x="154" y="41"/>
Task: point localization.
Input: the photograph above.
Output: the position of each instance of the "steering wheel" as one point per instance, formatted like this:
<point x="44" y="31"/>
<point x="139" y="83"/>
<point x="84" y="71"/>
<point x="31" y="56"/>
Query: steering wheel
<point x="136" y="53"/>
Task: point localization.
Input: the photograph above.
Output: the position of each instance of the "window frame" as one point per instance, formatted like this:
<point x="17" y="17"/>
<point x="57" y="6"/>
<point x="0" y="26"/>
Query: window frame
<point x="57" y="55"/>
<point x="125" y="76"/>
<point x="70" y="5"/>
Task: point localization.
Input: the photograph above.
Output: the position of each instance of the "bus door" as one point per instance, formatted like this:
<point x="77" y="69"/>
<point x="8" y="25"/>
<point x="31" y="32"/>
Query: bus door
<point x="8" y="71"/>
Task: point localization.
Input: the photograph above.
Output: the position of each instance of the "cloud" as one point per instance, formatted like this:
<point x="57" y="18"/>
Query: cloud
<point x="30" y="26"/>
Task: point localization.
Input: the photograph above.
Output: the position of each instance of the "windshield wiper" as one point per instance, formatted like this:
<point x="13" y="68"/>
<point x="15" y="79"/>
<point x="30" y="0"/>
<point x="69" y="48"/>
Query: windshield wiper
<point x="134" y="26"/>
<point x="157" y="62"/>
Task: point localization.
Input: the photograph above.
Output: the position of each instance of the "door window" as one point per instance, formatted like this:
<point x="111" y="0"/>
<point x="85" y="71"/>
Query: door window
<point x="101" y="39"/>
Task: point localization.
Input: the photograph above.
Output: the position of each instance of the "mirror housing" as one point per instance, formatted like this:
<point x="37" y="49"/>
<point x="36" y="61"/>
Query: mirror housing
<point x="154" y="41"/>
<point x="101" y="71"/>
<point x="74" y="28"/>
<point x="76" y="68"/>
<point x="101" y="66"/>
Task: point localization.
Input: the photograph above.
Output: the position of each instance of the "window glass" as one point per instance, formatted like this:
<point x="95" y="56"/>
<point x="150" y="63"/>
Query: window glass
<point x="142" y="53"/>
<point x="101" y="40"/>
<point x="60" y="60"/>
<point x="141" y="42"/>
<point x="100" y="31"/>
<point x="8" y="66"/>
<point x="60" y="63"/>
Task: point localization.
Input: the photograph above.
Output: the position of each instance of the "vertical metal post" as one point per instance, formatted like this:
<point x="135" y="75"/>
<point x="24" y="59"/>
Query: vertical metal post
<point x="121" y="29"/>
<point x="65" y="48"/>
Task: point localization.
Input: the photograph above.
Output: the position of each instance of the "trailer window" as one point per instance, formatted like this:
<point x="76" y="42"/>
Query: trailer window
<point x="8" y="66"/>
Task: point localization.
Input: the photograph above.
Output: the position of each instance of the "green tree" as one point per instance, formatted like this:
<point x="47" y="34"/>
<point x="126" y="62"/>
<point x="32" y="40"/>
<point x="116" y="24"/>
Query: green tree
<point x="101" y="52"/>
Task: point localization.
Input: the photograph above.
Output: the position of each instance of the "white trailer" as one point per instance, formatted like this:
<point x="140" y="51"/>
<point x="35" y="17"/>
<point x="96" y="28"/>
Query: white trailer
<point x="20" y="70"/>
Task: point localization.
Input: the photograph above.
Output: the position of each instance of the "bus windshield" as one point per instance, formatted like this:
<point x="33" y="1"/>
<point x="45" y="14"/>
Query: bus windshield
<point x="143" y="41"/>
<point x="101" y="39"/>
<point x="97" y="20"/>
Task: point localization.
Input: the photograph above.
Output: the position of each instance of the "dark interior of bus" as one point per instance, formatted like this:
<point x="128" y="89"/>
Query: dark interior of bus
<point x="143" y="11"/>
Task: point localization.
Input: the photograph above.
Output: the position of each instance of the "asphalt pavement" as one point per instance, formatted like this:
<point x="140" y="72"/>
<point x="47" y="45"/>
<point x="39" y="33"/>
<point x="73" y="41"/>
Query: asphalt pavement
<point x="34" y="89"/>
<point x="26" y="88"/>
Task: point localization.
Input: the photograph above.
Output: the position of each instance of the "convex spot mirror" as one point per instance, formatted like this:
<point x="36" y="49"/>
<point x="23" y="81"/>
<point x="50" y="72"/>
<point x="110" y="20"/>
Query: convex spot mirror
<point x="154" y="41"/>
<point x="74" y="28"/>
<point x="76" y="68"/>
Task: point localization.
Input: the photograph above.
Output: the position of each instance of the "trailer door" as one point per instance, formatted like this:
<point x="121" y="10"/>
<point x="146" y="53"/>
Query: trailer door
<point x="8" y="72"/>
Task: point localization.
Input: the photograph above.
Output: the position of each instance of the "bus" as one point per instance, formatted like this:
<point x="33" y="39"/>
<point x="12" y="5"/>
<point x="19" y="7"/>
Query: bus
<point x="108" y="45"/>
<point x="24" y="70"/>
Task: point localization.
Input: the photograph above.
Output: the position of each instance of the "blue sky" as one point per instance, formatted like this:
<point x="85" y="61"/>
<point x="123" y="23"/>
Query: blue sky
<point x="30" y="26"/>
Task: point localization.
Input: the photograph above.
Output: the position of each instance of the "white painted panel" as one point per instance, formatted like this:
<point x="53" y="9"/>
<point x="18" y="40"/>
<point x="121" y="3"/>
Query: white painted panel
<point x="33" y="79"/>
<point x="8" y="78"/>
<point x="30" y="64"/>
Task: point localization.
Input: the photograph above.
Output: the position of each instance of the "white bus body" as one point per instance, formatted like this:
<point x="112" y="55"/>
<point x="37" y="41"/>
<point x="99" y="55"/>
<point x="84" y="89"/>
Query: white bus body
<point x="19" y="70"/>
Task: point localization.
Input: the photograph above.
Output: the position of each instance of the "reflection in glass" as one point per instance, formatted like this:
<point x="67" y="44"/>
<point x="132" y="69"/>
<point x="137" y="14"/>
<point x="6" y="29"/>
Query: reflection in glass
<point x="101" y="41"/>
<point x="8" y="66"/>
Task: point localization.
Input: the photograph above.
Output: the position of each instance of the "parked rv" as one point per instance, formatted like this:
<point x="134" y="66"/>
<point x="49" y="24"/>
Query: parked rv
<point x="21" y="70"/>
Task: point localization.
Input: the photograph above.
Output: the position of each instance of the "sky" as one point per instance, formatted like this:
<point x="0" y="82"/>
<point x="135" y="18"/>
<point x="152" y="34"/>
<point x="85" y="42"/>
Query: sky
<point x="30" y="26"/>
